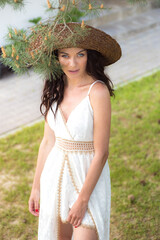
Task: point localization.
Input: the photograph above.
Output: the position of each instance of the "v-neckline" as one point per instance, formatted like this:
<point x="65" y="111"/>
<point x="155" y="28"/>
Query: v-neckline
<point x="61" y="112"/>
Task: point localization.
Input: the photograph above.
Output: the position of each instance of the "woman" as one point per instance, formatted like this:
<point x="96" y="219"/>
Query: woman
<point x="72" y="178"/>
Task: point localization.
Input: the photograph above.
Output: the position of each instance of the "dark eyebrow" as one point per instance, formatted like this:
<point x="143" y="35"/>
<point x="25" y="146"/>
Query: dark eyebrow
<point x="78" y="52"/>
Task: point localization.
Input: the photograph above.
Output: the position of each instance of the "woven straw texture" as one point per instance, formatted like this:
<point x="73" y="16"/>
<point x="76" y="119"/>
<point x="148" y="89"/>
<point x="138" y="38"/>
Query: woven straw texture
<point x="87" y="37"/>
<point x="95" y="39"/>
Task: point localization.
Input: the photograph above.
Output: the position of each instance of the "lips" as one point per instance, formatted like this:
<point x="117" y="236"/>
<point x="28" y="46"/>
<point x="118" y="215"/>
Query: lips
<point x="73" y="71"/>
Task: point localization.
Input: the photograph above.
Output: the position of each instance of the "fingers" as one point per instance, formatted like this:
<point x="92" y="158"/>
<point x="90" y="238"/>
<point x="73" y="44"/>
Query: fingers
<point x="74" y="220"/>
<point x="34" y="207"/>
<point x="70" y="218"/>
<point x="31" y="206"/>
<point x="78" y="223"/>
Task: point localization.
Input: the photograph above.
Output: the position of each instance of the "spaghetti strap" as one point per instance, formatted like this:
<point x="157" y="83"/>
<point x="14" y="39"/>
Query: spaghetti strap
<point x="93" y="84"/>
<point x="73" y="151"/>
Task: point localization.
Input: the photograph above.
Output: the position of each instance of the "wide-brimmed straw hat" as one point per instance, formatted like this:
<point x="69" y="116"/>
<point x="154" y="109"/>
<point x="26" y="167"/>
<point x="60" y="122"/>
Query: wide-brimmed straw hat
<point x="94" y="39"/>
<point x="73" y="34"/>
<point x="37" y="48"/>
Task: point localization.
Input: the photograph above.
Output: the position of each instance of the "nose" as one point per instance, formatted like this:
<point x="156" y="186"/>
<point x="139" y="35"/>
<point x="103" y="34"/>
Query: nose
<point x="72" y="62"/>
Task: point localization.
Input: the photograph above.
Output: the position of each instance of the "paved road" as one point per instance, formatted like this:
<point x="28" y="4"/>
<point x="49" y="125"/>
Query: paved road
<point x="141" y="54"/>
<point x="20" y="95"/>
<point x="19" y="100"/>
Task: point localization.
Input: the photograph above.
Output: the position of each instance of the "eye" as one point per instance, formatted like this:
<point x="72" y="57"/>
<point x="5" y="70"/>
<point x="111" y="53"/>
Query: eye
<point x="65" y="56"/>
<point x="81" y="54"/>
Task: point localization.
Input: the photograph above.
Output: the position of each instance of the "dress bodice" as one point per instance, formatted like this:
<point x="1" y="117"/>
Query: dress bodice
<point x="79" y="126"/>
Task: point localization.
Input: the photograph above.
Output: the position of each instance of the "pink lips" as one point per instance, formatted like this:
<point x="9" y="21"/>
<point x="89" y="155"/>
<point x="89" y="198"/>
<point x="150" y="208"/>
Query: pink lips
<point x="74" y="71"/>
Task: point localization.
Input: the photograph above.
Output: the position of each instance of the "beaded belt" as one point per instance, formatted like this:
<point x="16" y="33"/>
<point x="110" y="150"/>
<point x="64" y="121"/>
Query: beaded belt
<point x="69" y="145"/>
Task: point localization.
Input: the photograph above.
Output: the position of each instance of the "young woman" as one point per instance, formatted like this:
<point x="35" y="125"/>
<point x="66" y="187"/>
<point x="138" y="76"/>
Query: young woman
<point x="72" y="178"/>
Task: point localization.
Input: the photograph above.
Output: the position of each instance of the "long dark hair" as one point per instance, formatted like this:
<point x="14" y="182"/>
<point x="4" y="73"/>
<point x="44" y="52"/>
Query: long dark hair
<point x="53" y="90"/>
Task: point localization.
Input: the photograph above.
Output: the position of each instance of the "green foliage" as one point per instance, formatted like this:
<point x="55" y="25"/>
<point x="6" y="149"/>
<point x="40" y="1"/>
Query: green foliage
<point x="74" y="15"/>
<point x="17" y="4"/>
<point x="34" y="46"/>
<point x="22" y="51"/>
<point x="15" y="49"/>
<point x="35" y="20"/>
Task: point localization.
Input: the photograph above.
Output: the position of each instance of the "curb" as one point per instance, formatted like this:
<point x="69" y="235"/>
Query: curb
<point x="137" y="78"/>
<point x="21" y="127"/>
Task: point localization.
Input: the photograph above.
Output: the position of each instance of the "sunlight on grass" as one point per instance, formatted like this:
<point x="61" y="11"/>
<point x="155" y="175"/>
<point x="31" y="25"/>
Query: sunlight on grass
<point x="134" y="160"/>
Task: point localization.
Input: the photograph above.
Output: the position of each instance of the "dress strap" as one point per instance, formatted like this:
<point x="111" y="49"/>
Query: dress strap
<point x="93" y="84"/>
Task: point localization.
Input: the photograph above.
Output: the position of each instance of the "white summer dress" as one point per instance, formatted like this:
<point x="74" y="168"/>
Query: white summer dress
<point x="65" y="171"/>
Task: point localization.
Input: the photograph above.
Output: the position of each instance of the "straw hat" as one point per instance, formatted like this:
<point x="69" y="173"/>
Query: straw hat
<point x="95" y="39"/>
<point x="73" y="34"/>
<point x="36" y="48"/>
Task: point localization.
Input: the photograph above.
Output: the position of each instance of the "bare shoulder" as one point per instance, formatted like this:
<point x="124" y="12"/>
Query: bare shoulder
<point x="101" y="105"/>
<point x="99" y="95"/>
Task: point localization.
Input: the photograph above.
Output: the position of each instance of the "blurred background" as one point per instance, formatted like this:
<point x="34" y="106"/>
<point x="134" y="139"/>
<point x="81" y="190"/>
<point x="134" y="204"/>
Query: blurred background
<point x="134" y="157"/>
<point x="134" y="25"/>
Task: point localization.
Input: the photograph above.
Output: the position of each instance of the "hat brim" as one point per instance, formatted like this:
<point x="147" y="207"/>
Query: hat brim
<point x="95" y="39"/>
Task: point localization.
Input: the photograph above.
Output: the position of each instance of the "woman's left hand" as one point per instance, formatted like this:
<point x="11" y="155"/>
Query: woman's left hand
<point x="77" y="213"/>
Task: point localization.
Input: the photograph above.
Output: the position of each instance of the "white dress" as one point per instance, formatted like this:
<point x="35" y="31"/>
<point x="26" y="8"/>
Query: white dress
<point x="64" y="173"/>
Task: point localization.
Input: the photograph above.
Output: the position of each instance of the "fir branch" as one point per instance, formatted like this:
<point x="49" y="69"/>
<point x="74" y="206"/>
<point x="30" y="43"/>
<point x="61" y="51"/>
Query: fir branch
<point x="16" y="4"/>
<point x="34" y="46"/>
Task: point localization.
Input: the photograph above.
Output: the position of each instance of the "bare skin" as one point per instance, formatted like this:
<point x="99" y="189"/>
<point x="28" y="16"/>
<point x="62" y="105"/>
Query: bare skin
<point x="76" y="88"/>
<point x="66" y="231"/>
<point x="46" y="145"/>
<point x="76" y="84"/>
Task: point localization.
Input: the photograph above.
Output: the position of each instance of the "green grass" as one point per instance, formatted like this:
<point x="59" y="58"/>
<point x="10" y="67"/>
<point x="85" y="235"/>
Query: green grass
<point x="134" y="160"/>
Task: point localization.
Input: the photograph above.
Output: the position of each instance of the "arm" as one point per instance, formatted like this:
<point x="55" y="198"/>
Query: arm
<point x="100" y="101"/>
<point x="46" y="145"/>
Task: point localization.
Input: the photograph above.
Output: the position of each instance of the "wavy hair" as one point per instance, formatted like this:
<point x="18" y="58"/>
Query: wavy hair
<point x="53" y="90"/>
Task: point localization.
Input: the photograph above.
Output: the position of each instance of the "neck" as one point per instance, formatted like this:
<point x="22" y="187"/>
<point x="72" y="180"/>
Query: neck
<point x="72" y="83"/>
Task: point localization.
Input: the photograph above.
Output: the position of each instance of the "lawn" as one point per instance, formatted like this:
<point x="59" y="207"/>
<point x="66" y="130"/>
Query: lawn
<point x="134" y="160"/>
